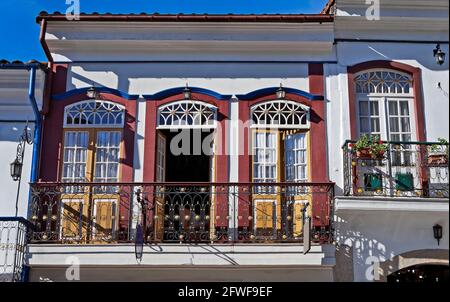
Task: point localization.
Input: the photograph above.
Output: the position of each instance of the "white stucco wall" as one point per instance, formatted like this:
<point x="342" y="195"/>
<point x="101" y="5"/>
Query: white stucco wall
<point x="15" y="110"/>
<point x="9" y="137"/>
<point x="436" y="100"/>
<point x="382" y="229"/>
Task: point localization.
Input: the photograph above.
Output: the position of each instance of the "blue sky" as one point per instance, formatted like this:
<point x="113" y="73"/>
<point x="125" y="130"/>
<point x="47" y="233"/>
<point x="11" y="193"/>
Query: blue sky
<point x="20" y="34"/>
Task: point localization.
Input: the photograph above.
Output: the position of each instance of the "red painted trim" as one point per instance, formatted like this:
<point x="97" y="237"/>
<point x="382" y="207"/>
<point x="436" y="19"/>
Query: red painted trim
<point x="318" y="141"/>
<point x="52" y="128"/>
<point x="415" y="72"/>
<point x="53" y="137"/>
<point x="318" y="126"/>
<point x="221" y="161"/>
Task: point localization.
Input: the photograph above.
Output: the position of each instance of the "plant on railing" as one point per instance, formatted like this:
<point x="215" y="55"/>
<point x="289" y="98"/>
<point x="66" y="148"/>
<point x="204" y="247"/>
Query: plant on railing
<point x="369" y="147"/>
<point x="438" y="153"/>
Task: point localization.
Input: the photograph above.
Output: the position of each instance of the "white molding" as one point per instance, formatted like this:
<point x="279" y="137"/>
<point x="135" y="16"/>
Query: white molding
<point x="406" y="204"/>
<point x="218" y="255"/>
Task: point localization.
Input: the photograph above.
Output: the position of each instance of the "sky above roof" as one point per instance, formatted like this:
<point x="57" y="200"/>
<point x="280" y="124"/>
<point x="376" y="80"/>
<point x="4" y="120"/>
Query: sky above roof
<point x="20" y="34"/>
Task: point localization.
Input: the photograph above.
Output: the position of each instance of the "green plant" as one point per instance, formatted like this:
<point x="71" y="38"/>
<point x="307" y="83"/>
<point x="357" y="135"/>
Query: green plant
<point x="441" y="147"/>
<point x="371" y="144"/>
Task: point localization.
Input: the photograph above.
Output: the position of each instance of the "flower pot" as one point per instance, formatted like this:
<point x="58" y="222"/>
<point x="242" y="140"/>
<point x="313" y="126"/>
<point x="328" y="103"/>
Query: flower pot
<point x="366" y="154"/>
<point x="437" y="159"/>
<point x="363" y="154"/>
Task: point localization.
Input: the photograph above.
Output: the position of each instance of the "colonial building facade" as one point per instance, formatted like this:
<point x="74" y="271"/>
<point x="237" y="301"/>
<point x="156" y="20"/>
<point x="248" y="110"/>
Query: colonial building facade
<point x="244" y="147"/>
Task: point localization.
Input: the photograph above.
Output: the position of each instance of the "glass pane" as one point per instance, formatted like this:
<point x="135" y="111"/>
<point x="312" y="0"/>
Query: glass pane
<point x="405" y="124"/>
<point x="374" y="109"/>
<point x="364" y="125"/>
<point x="393" y="124"/>
<point x="393" y="110"/>
<point x="375" y="124"/>
<point x="363" y="108"/>
<point x="404" y="108"/>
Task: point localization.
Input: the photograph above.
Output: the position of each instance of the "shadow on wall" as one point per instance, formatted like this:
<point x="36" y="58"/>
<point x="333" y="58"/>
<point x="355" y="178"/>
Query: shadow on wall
<point x="381" y="248"/>
<point x="123" y="76"/>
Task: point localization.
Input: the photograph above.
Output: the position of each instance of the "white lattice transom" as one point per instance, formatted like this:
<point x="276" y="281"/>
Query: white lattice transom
<point x="94" y="113"/>
<point x="282" y="114"/>
<point x="383" y="82"/>
<point x="187" y="114"/>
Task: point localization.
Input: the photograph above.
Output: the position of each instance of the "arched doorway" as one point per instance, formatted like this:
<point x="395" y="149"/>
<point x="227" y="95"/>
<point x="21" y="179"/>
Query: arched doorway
<point x="424" y="273"/>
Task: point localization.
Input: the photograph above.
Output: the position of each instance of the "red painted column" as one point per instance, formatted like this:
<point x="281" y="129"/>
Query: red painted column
<point x="127" y="160"/>
<point x="320" y="206"/>
<point x="221" y="206"/>
<point x="52" y="128"/>
<point x="244" y="202"/>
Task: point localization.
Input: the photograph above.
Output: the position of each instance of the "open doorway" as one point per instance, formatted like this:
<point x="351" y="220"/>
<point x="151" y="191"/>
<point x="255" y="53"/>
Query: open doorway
<point x="192" y="166"/>
<point x="185" y="156"/>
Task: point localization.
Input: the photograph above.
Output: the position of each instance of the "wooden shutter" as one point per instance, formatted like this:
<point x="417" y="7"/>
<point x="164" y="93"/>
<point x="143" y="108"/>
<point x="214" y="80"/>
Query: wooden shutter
<point x="264" y="214"/>
<point x="104" y="219"/>
<point x="71" y="219"/>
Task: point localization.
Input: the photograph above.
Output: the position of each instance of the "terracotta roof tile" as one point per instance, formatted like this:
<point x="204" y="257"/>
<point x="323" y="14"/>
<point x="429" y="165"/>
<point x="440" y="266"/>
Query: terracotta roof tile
<point x="156" y="17"/>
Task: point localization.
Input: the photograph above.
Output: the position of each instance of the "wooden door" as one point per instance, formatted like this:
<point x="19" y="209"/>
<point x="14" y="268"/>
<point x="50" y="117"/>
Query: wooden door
<point x="159" y="202"/>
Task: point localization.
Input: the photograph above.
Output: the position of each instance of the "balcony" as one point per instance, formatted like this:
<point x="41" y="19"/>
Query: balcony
<point x="406" y="169"/>
<point x="102" y="213"/>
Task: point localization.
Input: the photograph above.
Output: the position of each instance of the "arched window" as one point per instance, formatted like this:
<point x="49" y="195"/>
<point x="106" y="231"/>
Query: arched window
<point x="280" y="114"/>
<point x="280" y="136"/>
<point x="94" y="113"/>
<point x="91" y="153"/>
<point x="279" y="153"/>
<point x="187" y="114"/>
<point x="385" y="104"/>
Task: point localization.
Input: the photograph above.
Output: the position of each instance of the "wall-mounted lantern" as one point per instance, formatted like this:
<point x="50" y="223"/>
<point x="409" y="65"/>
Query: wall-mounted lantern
<point x="187" y="92"/>
<point x="93" y="93"/>
<point x="16" y="169"/>
<point x="437" y="232"/>
<point x="280" y="92"/>
<point x="439" y="55"/>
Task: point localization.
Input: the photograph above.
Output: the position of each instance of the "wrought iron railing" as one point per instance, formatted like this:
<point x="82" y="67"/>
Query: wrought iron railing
<point x="13" y="240"/>
<point x="408" y="169"/>
<point x="180" y="212"/>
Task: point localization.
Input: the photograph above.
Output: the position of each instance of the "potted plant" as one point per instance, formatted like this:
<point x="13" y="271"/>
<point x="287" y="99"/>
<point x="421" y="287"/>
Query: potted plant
<point x="369" y="147"/>
<point x="438" y="153"/>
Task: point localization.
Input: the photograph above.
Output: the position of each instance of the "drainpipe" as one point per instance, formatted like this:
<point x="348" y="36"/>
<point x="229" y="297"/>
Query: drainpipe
<point x="37" y="126"/>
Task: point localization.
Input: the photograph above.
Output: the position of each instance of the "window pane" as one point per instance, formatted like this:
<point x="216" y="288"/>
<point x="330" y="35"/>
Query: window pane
<point x="404" y="108"/>
<point x="364" y="125"/>
<point x="405" y="124"/>
<point x="393" y="124"/>
<point x="363" y="108"/>
<point x="375" y="124"/>
<point x="374" y="109"/>
<point x="393" y="110"/>
<point x="107" y="156"/>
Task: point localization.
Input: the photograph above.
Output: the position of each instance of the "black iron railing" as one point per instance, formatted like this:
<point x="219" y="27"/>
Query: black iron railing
<point x="13" y="240"/>
<point x="408" y="169"/>
<point x="180" y="212"/>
